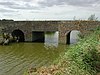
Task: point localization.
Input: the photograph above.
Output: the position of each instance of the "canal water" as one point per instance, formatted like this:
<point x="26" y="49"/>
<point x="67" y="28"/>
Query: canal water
<point x="16" y="58"/>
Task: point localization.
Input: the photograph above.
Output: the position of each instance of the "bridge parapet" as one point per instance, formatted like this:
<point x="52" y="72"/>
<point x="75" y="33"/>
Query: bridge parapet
<point x="45" y="26"/>
<point x="62" y="26"/>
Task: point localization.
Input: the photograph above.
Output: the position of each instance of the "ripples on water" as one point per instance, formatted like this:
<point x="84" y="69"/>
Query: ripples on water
<point x="17" y="57"/>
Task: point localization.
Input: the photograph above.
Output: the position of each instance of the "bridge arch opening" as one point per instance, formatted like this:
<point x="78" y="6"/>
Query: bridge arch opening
<point x="18" y="35"/>
<point x="72" y="37"/>
<point x="38" y="36"/>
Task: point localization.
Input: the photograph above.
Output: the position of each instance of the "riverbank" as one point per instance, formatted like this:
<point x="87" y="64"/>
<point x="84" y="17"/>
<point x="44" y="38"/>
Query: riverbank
<point x="82" y="58"/>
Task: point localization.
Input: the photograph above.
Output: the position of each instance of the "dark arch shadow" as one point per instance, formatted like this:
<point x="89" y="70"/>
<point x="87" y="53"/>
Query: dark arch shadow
<point x="38" y="36"/>
<point x="68" y="38"/>
<point x="71" y="36"/>
<point x="19" y="35"/>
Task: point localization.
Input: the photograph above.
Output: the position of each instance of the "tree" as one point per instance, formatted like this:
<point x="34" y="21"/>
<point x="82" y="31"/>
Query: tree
<point x="92" y="18"/>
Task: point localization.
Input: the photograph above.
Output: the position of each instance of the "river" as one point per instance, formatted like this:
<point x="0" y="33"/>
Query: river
<point x="16" y="58"/>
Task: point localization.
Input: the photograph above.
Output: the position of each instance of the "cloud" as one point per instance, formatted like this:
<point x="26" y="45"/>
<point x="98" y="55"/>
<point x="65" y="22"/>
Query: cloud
<point x="49" y="9"/>
<point x="23" y="7"/>
<point x="6" y="10"/>
<point x="37" y="12"/>
<point x="7" y="3"/>
<point x="10" y="14"/>
<point x="18" y="5"/>
<point x="38" y="4"/>
<point x="81" y="3"/>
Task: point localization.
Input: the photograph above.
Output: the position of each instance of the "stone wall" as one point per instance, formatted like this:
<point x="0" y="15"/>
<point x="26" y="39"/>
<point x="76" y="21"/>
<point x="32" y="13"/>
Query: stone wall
<point x="28" y="26"/>
<point x="84" y="27"/>
<point x="64" y="27"/>
<point x="45" y="25"/>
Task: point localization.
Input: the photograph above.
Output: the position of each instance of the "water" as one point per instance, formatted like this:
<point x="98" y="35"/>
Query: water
<point x="51" y="39"/>
<point x="74" y="36"/>
<point x="17" y="57"/>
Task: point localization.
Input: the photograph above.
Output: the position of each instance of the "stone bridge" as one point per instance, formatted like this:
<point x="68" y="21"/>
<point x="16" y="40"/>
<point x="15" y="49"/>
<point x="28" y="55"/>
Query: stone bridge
<point x="31" y="30"/>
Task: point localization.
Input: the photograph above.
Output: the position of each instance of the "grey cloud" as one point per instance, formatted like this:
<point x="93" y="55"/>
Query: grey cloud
<point x="15" y="5"/>
<point x="27" y="0"/>
<point x="6" y="10"/>
<point x="38" y="12"/>
<point x="9" y="14"/>
<point x="50" y="3"/>
<point x="7" y="3"/>
<point x="84" y="3"/>
<point x="25" y="7"/>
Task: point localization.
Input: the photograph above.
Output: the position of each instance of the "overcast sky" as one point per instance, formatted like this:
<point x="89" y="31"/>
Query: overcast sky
<point x="48" y="9"/>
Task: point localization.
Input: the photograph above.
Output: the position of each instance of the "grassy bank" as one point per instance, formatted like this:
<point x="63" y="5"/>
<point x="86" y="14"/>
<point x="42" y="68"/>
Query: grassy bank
<point x="82" y="58"/>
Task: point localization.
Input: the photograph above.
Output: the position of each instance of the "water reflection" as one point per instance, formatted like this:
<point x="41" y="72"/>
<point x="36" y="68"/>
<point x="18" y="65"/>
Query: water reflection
<point x="16" y="58"/>
<point x="51" y="39"/>
<point x="74" y="36"/>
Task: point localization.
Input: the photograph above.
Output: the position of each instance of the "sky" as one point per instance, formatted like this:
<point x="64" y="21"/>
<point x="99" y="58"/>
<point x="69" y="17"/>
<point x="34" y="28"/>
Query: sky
<point x="49" y="9"/>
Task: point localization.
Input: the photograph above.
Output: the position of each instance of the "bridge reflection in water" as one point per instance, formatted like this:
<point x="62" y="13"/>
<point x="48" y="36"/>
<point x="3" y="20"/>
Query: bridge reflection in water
<point x="51" y="39"/>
